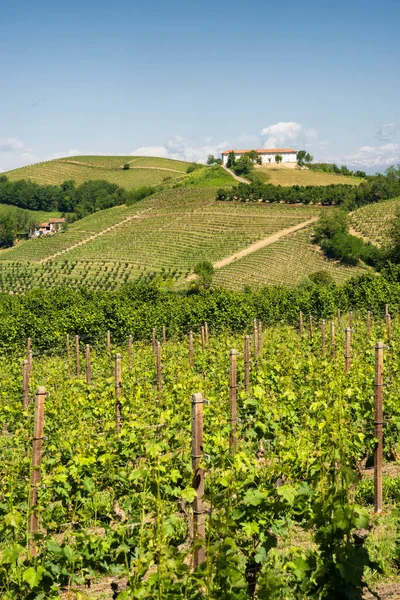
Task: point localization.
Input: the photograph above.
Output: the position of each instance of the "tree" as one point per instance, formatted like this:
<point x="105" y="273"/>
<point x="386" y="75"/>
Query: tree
<point x="231" y="159"/>
<point x="7" y="231"/>
<point x="3" y="178"/>
<point x="244" y="165"/>
<point x="211" y="160"/>
<point x="304" y="158"/>
<point x="254" y="157"/>
<point x="205" y="272"/>
<point x="322" y="278"/>
<point x="278" y="158"/>
<point x="126" y="166"/>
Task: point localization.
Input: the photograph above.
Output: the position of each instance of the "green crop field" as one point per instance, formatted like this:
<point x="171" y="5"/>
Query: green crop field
<point x="292" y="176"/>
<point x="286" y="262"/>
<point x="373" y="221"/>
<point x="38" y="216"/>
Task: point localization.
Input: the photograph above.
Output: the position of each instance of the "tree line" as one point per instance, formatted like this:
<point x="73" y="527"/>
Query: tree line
<point x="374" y="189"/>
<point x="81" y="200"/>
<point x="48" y="316"/>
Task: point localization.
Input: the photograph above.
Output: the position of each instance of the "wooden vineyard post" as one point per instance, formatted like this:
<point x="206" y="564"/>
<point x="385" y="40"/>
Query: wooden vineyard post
<point x="300" y="323"/>
<point x="379" y="348"/>
<point x="232" y="399"/>
<point x="203" y="339"/>
<point x="338" y="317"/>
<point x="368" y="323"/>
<point x="323" y="337"/>
<point x="347" y="352"/>
<point x="259" y="338"/>
<point x="158" y="367"/>
<point x="191" y="364"/>
<point x="108" y="341"/>
<point x="25" y="384"/>
<point x="246" y="363"/>
<point x="255" y="340"/>
<point x="389" y="327"/>
<point x="153" y="339"/>
<point x="78" y="364"/>
<point x="29" y="354"/>
<point x="37" y="448"/>
<point x="199" y="530"/>
<point x="351" y="319"/>
<point x="164" y="335"/>
<point x="310" y="327"/>
<point x="118" y="386"/>
<point x="206" y="331"/>
<point x="30" y="361"/>
<point x="386" y="310"/>
<point x="130" y="352"/>
<point x="87" y="365"/>
<point x="333" y="340"/>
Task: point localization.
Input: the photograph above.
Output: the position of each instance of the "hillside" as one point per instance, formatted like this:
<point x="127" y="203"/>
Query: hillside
<point x="165" y="236"/>
<point x="372" y="222"/>
<point x="142" y="170"/>
<point x="293" y="176"/>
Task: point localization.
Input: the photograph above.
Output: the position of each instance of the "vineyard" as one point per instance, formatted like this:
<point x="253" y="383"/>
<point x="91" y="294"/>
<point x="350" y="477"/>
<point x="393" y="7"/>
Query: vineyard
<point x="373" y="221"/>
<point x="142" y="171"/>
<point x="165" y="236"/>
<point x="187" y="469"/>
<point x="286" y="262"/>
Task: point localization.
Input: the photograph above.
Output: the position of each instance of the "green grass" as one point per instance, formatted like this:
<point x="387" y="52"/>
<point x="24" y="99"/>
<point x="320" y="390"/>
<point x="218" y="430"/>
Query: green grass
<point x="373" y="221"/>
<point x="286" y="262"/>
<point x="288" y="176"/>
<point x="214" y="176"/>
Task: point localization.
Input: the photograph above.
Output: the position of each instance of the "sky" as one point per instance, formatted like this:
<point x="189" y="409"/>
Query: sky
<point x="186" y="78"/>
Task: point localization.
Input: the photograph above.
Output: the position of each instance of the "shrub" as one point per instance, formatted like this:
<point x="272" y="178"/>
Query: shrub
<point x="193" y="167"/>
<point x="134" y="196"/>
<point x="126" y="166"/>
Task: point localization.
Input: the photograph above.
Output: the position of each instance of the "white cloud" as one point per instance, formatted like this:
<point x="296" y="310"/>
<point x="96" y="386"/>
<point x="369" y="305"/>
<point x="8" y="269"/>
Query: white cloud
<point x="14" y="153"/>
<point x="180" y="148"/>
<point x="288" y="133"/>
<point x="12" y="145"/>
<point x="374" y="156"/>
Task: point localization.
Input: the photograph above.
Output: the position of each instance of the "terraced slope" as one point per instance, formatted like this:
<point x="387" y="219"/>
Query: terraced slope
<point x="286" y="262"/>
<point x="373" y="221"/>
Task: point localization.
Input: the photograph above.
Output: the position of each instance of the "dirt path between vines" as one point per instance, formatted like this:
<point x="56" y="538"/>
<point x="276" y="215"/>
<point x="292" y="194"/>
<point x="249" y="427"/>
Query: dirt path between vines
<point x="104" y="168"/>
<point x="352" y="231"/>
<point x="94" y="236"/>
<point x="262" y="243"/>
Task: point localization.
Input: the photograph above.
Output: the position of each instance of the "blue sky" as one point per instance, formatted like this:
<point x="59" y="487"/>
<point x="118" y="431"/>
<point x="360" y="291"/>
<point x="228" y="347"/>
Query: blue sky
<point x="184" y="78"/>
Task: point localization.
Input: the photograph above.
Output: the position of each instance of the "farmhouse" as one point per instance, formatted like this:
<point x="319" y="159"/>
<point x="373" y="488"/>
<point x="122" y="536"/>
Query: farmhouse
<point x="52" y="226"/>
<point x="267" y="155"/>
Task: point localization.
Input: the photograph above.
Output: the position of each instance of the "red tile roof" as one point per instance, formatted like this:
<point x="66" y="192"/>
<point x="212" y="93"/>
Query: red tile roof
<point x="264" y="151"/>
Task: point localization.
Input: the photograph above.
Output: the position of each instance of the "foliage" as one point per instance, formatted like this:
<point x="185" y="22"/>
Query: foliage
<point x="322" y="278"/>
<point x="7" y="231"/>
<point x="333" y="168"/>
<point x="231" y="161"/>
<point x="332" y="233"/>
<point x="211" y="160"/>
<point x="304" y="158"/>
<point x="278" y="158"/>
<point x="394" y="238"/>
<point x="193" y="167"/>
<point x="243" y="165"/>
<point x="205" y="272"/>
<point x="133" y="196"/>
<point x="126" y="166"/>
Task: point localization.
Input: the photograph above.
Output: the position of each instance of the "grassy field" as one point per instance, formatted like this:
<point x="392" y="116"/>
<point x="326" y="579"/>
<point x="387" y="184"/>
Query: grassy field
<point x="37" y="215"/>
<point x="373" y="221"/>
<point x="287" y="176"/>
<point x="286" y="262"/>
